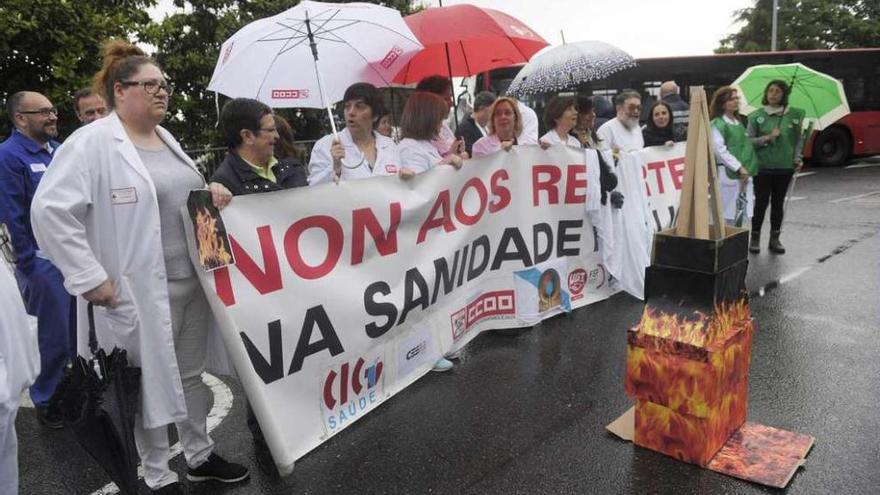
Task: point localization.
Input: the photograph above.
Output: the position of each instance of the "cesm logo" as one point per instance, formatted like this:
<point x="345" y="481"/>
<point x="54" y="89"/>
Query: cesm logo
<point x="577" y="280"/>
<point x="496" y="305"/>
<point x="391" y="57"/>
<point x="350" y="390"/>
<point x="290" y="94"/>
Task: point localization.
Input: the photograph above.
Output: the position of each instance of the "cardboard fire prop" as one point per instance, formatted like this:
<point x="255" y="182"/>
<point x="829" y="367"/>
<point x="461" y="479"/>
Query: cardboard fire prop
<point x="687" y="364"/>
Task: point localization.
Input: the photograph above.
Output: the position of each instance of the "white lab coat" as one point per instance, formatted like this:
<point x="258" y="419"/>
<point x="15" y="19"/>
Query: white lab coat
<point x="19" y="352"/>
<point x="96" y="216"/>
<point x="418" y="155"/>
<point x="552" y="137"/>
<point x="321" y="163"/>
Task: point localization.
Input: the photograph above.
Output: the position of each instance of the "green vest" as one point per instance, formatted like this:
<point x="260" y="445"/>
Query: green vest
<point x="778" y="154"/>
<point x="739" y="144"/>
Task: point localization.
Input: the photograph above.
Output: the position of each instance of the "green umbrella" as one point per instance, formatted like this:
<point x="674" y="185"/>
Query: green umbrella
<point x="819" y="95"/>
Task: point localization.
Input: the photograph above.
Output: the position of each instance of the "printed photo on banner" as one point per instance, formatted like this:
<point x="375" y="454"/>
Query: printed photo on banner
<point x="212" y="242"/>
<point x="539" y="290"/>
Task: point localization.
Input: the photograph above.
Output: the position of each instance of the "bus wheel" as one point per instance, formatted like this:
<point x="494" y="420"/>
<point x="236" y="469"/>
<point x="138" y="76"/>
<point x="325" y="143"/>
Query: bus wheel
<point x="832" y="147"/>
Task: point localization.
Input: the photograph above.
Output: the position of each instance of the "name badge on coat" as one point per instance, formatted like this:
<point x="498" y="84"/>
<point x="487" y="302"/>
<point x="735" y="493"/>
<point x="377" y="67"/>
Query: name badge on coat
<point x="123" y="196"/>
<point x="38" y="167"/>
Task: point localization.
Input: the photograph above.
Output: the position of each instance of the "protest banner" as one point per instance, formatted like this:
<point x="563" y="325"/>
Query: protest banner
<point x="663" y="172"/>
<point x="342" y="295"/>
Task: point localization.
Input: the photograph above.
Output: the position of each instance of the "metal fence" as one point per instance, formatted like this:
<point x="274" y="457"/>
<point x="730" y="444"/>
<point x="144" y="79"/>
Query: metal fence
<point x="209" y="158"/>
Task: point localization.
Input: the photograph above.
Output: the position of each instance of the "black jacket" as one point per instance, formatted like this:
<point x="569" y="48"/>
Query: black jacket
<point x="241" y="178"/>
<point x="468" y="131"/>
<point x="654" y="136"/>
<point x="680" y="115"/>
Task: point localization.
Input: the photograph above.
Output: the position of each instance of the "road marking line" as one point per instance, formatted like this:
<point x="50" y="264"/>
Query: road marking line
<point x="841" y="200"/>
<point x="796" y="198"/>
<point x="862" y="165"/>
<point x="222" y="406"/>
<point x="805" y="174"/>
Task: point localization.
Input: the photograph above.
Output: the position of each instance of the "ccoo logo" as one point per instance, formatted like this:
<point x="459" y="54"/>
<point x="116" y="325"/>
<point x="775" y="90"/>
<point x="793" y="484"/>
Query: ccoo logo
<point x="359" y="378"/>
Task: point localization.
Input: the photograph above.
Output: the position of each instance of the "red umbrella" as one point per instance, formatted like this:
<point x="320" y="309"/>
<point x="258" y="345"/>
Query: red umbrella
<point x="463" y="40"/>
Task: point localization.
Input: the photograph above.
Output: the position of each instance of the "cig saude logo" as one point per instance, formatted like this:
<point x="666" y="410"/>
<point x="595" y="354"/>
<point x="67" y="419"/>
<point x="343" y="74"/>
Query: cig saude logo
<point x="351" y="390"/>
<point x="391" y="57"/>
<point x="290" y="94"/>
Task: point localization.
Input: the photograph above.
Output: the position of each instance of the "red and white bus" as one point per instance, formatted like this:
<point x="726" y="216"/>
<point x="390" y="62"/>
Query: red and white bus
<point x="859" y="69"/>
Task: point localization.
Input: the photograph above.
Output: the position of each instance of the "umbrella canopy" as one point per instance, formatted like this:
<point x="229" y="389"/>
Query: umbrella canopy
<point x="565" y="66"/>
<point x="819" y="95"/>
<point x="276" y="59"/>
<point x="463" y="40"/>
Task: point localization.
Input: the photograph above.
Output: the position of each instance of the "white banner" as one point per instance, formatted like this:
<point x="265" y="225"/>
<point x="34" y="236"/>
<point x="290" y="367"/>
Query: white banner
<point x="342" y="295"/>
<point x="663" y="173"/>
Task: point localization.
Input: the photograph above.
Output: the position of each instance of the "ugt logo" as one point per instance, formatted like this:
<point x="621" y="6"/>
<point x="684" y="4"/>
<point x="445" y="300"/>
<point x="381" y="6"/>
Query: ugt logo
<point x="351" y="390"/>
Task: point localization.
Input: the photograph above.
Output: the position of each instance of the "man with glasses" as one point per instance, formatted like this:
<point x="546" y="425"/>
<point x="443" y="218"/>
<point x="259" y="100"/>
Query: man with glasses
<point x="622" y="134"/>
<point x="23" y="159"/>
<point x="248" y="128"/>
<point x="89" y="106"/>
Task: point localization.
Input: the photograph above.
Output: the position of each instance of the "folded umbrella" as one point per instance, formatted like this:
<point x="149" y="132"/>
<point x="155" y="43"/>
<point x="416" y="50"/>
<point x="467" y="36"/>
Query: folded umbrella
<point x="98" y="398"/>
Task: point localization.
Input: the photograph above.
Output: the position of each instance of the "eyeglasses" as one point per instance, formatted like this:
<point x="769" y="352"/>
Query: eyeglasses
<point x="151" y="87"/>
<point x="43" y="112"/>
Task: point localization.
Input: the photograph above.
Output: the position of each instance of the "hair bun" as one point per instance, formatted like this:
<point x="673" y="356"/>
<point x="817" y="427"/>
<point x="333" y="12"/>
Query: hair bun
<point x="114" y="50"/>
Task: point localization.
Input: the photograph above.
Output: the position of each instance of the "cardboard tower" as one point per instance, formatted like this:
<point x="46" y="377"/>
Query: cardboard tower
<point x="687" y="365"/>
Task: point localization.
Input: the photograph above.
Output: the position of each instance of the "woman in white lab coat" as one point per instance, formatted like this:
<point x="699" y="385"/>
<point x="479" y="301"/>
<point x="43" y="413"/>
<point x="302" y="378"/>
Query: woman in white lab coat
<point x="360" y="152"/>
<point x="108" y="216"/>
<point x="421" y="123"/>
<point x="19" y="367"/>
<point x="560" y="117"/>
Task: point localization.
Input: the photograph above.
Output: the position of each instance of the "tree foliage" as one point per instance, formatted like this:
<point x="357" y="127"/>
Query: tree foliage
<point x="806" y="25"/>
<point x="53" y="46"/>
<point x="188" y="44"/>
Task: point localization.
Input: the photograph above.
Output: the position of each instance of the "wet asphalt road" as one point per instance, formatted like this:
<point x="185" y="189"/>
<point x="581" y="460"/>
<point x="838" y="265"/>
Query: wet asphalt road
<point x="527" y="414"/>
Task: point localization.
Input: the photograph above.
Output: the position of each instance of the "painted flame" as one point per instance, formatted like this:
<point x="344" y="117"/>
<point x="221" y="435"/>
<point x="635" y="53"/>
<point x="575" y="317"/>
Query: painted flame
<point x="690" y="380"/>
<point x="211" y="249"/>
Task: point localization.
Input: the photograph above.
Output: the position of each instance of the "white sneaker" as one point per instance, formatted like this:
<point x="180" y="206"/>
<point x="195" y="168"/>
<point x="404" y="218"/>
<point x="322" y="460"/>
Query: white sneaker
<point x="442" y="364"/>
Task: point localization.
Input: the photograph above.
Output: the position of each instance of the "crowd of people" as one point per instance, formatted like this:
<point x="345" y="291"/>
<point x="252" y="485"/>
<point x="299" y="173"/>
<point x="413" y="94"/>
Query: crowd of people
<point x="96" y="221"/>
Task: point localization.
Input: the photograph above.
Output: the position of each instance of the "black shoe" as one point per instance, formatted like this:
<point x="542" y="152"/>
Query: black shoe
<point x="50" y="417"/>
<point x="171" y="489"/>
<point x="217" y="469"/>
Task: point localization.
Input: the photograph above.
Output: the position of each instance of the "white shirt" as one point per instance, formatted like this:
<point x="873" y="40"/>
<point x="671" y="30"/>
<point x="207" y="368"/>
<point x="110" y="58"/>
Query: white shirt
<point x="321" y="162"/>
<point x="616" y="135"/>
<point x="418" y="155"/>
<point x="486" y="145"/>
<point x="529" y="134"/>
<point x="444" y="140"/>
<point x="552" y="137"/>
<point x="722" y="155"/>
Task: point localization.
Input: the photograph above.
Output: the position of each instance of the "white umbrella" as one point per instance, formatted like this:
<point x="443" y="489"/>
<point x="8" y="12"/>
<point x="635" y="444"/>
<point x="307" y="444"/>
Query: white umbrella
<point x="567" y="65"/>
<point x="276" y="59"/>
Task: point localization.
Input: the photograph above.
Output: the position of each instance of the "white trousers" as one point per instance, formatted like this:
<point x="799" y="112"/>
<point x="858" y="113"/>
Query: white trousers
<point x="730" y="191"/>
<point x="8" y="448"/>
<point x="190" y="322"/>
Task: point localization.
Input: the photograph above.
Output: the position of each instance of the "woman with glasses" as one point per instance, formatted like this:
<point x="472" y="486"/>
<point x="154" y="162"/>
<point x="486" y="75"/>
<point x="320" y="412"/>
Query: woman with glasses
<point x="734" y="155"/>
<point x="358" y="152"/>
<point x="108" y="215"/>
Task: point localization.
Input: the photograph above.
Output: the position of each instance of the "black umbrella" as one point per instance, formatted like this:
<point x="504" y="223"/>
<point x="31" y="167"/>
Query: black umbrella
<point x="98" y="398"/>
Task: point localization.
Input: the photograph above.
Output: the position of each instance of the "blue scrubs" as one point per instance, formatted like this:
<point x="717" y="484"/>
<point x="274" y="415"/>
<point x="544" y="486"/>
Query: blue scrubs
<point x="22" y="163"/>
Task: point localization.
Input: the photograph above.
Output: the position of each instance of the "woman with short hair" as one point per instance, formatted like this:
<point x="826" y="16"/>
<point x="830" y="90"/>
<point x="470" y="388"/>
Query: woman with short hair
<point x="423" y="116"/>
<point x="776" y="131"/>
<point x="560" y="117"/>
<point x="358" y="152"/>
<point x="505" y="124"/>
